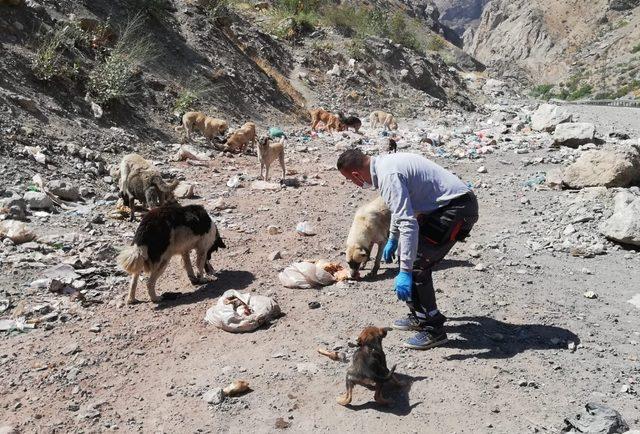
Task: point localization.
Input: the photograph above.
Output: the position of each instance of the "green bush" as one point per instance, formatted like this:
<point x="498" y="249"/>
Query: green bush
<point x="295" y="7"/>
<point x="635" y="49"/>
<point x="435" y="43"/>
<point x="542" y="91"/>
<point x="581" y="92"/>
<point x="401" y="32"/>
<point x="49" y="61"/>
<point x="153" y="8"/>
<point x="114" y="77"/>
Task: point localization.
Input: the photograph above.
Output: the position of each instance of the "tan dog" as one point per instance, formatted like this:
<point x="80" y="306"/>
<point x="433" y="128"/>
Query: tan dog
<point x="369" y="366"/>
<point x="242" y="137"/>
<point x="387" y="120"/>
<point x="331" y="121"/>
<point x="267" y="154"/>
<point x="370" y="226"/>
<point x="209" y="127"/>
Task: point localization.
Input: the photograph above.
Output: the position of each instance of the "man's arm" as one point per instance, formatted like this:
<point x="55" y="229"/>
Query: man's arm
<point x="396" y="195"/>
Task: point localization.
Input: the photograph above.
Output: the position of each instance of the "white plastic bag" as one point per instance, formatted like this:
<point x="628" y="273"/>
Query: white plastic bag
<point x="306" y="275"/>
<point x="233" y="317"/>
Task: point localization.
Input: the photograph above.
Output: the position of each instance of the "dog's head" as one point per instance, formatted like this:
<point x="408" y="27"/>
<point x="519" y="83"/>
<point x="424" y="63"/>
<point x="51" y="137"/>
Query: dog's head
<point x="263" y="142"/>
<point x="372" y="336"/>
<point x="393" y="125"/>
<point x="356" y="256"/>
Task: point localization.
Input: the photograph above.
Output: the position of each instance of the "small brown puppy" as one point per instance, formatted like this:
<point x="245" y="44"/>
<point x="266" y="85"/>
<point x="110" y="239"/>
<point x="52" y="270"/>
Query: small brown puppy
<point x="331" y="121"/>
<point x="369" y="366"/>
<point x="209" y="127"/>
<point x="268" y="153"/>
<point x="393" y="146"/>
<point x="241" y="137"/>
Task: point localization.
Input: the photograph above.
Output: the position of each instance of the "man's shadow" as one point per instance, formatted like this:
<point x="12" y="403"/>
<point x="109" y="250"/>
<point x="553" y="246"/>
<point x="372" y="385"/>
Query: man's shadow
<point x="224" y="280"/>
<point x="489" y="338"/>
<point x="399" y="395"/>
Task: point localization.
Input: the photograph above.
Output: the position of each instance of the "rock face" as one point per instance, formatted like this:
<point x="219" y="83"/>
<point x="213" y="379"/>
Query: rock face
<point x="547" y="117"/>
<point x="608" y="167"/>
<point x="38" y="200"/>
<point x="461" y="15"/>
<point x="63" y="190"/>
<point x="624" y="225"/>
<point x="574" y="134"/>
<point x="623" y="5"/>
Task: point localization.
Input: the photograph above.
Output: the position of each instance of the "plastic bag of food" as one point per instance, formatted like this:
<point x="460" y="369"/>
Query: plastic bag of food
<point x="236" y="312"/>
<point x="309" y="274"/>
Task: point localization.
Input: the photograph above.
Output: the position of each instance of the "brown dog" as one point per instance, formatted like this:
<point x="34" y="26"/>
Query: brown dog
<point x="369" y="366"/>
<point x="209" y="127"/>
<point x="241" y="137"/>
<point x="331" y="121"/>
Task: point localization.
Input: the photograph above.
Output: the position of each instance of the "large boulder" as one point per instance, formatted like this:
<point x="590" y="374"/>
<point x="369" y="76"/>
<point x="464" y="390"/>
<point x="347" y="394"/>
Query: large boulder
<point x="612" y="166"/>
<point x="623" y="5"/>
<point x="624" y="225"/>
<point x="63" y="190"/>
<point x="574" y="134"/>
<point x="38" y="200"/>
<point x="548" y="116"/>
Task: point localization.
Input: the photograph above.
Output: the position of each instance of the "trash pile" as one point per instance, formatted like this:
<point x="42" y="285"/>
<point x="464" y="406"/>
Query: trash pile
<point x="305" y="275"/>
<point x="236" y="312"/>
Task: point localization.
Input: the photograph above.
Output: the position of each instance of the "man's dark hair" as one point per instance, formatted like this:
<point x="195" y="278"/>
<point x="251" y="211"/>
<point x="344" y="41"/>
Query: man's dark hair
<point x="351" y="159"/>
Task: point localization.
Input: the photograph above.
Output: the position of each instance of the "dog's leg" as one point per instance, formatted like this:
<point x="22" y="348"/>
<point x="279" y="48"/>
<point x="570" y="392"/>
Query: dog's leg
<point x="378" y="398"/>
<point x="376" y="263"/>
<point x="151" y="284"/>
<point x="186" y="263"/>
<point x="345" y="399"/>
<point x="132" y="212"/>
<point x="201" y="260"/>
<point x="261" y="171"/>
<point x="281" y="158"/>
<point x="131" y="297"/>
<point x="266" y="172"/>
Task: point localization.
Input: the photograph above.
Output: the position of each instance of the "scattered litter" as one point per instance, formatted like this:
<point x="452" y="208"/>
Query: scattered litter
<point x="237" y="312"/>
<point x="186" y="153"/>
<point x="591" y="295"/>
<point x="36" y="153"/>
<point x="333" y="355"/>
<point x="539" y="179"/>
<point x="234" y="182"/>
<point x="97" y="110"/>
<point x="635" y="300"/>
<point x="18" y="324"/>
<point x="305" y="228"/>
<point x="16" y="231"/>
<point x="238" y="387"/>
<point x="275" y="132"/>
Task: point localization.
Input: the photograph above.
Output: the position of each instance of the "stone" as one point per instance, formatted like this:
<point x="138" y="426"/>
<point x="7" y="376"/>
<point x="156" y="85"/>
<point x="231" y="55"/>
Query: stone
<point x="335" y="71"/>
<point x="624" y="225"/>
<point x="548" y="116"/>
<point x="264" y="185"/>
<point x="574" y="134"/>
<point x="214" y="396"/>
<point x="273" y="230"/>
<point x="63" y="190"/>
<point x="482" y="169"/>
<point x="613" y="166"/>
<point x="38" y="200"/>
<point x="596" y="419"/>
<point x="635" y="300"/>
<point x="185" y="191"/>
<point x="7" y="429"/>
<point x="16" y="231"/>
<point x="480" y="267"/>
<point x="275" y="255"/>
<point x="590" y="295"/>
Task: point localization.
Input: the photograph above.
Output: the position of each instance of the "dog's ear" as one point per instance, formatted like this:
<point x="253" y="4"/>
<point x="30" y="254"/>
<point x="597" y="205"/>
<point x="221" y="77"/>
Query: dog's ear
<point x="384" y="330"/>
<point x="359" y="342"/>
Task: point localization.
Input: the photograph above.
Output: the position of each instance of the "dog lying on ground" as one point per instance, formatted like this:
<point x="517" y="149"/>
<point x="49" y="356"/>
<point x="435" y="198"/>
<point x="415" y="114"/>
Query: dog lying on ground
<point x="393" y="146"/>
<point x="369" y="366"/>
<point x="241" y="137"/>
<point x="163" y="233"/>
<point x="350" y="122"/>
<point x="141" y="180"/>
<point x="209" y="127"/>
<point x="331" y="121"/>
<point x="370" y="226"/>
<point x="268" y="153"/>
<point x="387" y="120"/>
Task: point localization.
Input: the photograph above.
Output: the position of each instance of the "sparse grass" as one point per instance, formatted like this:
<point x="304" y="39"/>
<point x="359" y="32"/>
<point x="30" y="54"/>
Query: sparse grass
<point x="114" y="78"/>
<point x="152" y="8"/>
<point x="620" y="24"/>
<point x="195" y="90"/>
<point x="50" y="61"/>
<point x="635" y="49"/>
<point x="542" y="91"/>
<point x="401" y="32"/>
<point x="435" y="43"/>
<point x="218" y="9"/>
<point x="357" y="49"/>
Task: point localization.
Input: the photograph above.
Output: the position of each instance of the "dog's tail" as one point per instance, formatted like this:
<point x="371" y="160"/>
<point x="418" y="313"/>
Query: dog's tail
<point x="132" y="260"/>
<point x="166" y="187"/>
<point x="219" y="243"/>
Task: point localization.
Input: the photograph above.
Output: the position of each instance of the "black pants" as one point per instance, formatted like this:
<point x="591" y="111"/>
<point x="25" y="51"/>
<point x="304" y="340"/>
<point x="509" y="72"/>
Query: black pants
<point x="439" y="232"/>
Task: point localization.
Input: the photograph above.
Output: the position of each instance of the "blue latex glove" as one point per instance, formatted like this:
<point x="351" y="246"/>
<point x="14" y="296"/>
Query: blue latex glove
<point x="404" y="282"/>
<point x="389" y="250"/>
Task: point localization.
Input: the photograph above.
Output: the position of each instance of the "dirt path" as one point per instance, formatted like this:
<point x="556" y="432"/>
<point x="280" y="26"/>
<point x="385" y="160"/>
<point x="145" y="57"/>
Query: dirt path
<point x="507" y="369"/>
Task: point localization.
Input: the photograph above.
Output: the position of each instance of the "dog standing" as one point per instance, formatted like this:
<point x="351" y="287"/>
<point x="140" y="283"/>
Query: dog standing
<point x="268" y="153"/>
<point x="370" y="226"/>
<point x="241" y="137"/>
<point x="387" y="120"/>
<point x="369" y="366"/>
<point x="163" y="233"/>
<point x="209" y="127"/>
<point x="331" y="121"/>
<point x="350" y="122"/>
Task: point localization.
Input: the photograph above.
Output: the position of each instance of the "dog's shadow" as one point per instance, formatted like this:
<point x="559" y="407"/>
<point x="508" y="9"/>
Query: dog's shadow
<point x="399" y="395"/>
<point x="383" y="274"/>
<point x="225" y="279"/>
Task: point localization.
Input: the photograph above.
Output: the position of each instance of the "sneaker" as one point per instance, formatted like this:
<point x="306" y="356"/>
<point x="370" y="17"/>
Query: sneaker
<point x="410" y="322"/>
<point x="428" y="338"/>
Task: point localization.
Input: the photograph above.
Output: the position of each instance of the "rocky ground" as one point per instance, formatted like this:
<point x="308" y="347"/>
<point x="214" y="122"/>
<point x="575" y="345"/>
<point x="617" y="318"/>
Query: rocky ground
<point x="543" y="308"/>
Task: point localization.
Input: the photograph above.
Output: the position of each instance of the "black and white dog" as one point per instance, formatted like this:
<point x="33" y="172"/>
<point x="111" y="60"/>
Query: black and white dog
<point x="167" y="231"/>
